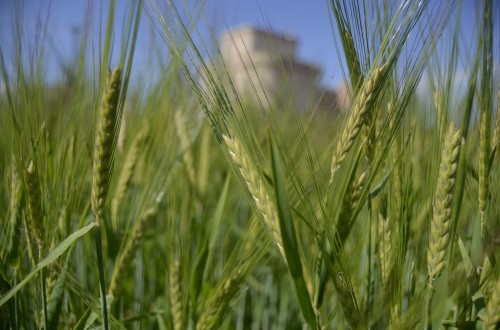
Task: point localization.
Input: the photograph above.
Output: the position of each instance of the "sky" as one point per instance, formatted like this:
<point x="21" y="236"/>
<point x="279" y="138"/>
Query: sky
<point x="308" y="21"/>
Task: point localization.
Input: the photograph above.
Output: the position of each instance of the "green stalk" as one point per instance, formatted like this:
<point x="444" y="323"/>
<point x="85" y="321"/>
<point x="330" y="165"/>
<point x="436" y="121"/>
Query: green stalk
<point x="290" y="241"/>
<point x="368" y="293"/>
<point x="485" y="118"/>
<point x="428" y="321"/>
<point x="102" y="286"/>
<point x="44" y="293"/>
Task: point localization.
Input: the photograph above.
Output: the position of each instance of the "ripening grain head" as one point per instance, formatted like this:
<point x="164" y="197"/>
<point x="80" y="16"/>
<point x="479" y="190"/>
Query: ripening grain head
<point x="257" y="189"/>
<point x="34" y="199"/>
<point x="364" y="104"/>
<point x="440" y="225"/>
<point x="105" y="137"/>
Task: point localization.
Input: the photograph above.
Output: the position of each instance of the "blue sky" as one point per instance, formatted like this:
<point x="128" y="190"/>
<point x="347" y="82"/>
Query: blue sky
<point x="307" y="20"/>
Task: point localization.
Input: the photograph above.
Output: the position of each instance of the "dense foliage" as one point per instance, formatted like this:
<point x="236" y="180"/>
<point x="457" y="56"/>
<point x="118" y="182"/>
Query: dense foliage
<point x="190" y="207"/>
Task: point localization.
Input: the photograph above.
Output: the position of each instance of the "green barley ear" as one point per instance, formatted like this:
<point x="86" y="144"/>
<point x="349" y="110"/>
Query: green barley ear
<point x="104" y="144"/>
<point x="257" y="188"/>
<point x="440" y="225"/>
<point x="34" y="202"/>
<point x="35" y="223"/>
<point x="385" y="248"/>
<point x="492" y="316"/>
<point x="351" y="199"/>
<point x="127" y="254"/>
<point x="175" y="287"/>
<point x="182" y="134"/>
<point x="126" y="175"/>
<point x="216" y="305"/>
<point x="369" y="136"/>
<point x="352" y="58"/>
<point x="346" y="37"/>
<point x="247" y="254"/>
<point x="347" y="301"/>
<point x="357" y="117"/>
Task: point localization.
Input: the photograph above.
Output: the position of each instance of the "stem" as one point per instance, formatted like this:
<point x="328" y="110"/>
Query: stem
<point x="100" y="265"/>
<point x="368" y="265"/>
<point x="428" y="325"/>
<point x="44" y="295"/>
<point x="16" y="310"/>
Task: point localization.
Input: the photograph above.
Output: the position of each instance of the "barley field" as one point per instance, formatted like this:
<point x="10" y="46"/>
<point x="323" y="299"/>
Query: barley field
<point x="180" y="204"/>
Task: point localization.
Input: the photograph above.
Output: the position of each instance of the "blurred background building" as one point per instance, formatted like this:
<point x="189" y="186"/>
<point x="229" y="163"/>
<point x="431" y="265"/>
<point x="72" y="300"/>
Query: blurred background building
<point x="264" y="64"/>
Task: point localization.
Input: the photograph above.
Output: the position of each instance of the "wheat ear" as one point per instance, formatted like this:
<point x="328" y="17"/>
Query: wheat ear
<point x="351" y="198"/>
<point x="369" y="136"/>
<point x="363" y="104"/>
<point x="35" y="224"/>
<point x="352" y="59"/>
<point x="15" y="190"/>
<point x="385" y="248"/>
<point x="347" y="301"/>
<point x="126" y="174"/>
<point x="15" y="206"/>
<point x="35" y="212"/>
<point x="492" y="316"/>
<point x="440" y="225"/>
<point x="104" y="148"/>
<point x="175" y="289"/>
<point x="257" y="189"/>
<point x="217" y="304"/>
<point x="127" y="255"/>
<point x="187" y="158"/>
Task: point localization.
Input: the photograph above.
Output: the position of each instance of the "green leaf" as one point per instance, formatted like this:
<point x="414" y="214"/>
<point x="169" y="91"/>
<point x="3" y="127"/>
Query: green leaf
<point x="466" y="325"/>
<point x="217" y="217"/>
<point x="80" y="325"/>
<point x="290" y="244"/>
<point x="54" y="304"/>
<point x="50" y="258"/>
<point x="199" y="270"/>
<point x="197" y="276"/>
<point x="91" y="322"/>
<point x="379" y="186"/>
<point x="465" y="256"/>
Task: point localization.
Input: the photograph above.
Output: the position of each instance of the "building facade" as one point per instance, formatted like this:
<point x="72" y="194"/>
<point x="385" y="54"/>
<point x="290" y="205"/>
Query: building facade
<point x="264" y="65"/>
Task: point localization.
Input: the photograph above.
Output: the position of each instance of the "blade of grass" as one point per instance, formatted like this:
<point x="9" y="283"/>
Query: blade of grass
<point x="290" y="243"/>
<point x="50" y="258"/>
<point x="206" y="254"/>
